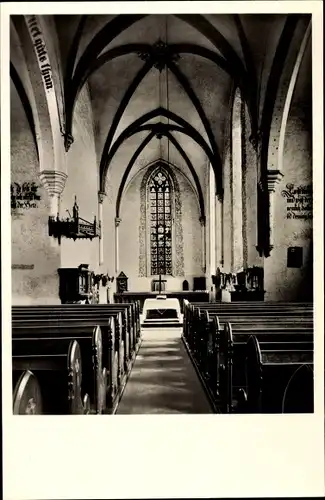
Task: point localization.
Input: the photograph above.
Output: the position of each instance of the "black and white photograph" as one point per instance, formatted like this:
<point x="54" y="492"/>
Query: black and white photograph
<point x="162" y="214"/>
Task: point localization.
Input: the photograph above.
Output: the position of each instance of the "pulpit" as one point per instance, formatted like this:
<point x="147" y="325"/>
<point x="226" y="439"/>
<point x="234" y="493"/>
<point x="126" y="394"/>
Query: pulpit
<point x="76" y="284"/>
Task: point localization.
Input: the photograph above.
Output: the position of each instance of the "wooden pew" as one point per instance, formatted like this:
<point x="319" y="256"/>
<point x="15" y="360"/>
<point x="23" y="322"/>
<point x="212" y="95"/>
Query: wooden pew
<point x="96" y="312"/>
<point x="226" y="312"/>
<point x="30" y="336"/>
<point x="39" y="337"/>
<point x="110" y="323"/>
<point x="201" y="321"/>
<point x="213" y="347"/>
<point x="266" y="311"/>
<point x="76" y="314"/>
<point x="130" y="317"/>
<point x="232" y="353"/>
<point x="233" y="306"/>
<point x="59" y="375"/>
<point x="279" y="377"/>
<point x="302" y="314"/>
<point x="193" y="319"/>
<point x="91" y="312"/>
<point x="27" y="395"/>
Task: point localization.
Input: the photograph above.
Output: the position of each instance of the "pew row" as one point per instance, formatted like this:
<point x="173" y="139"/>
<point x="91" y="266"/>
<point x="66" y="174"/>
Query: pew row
<point x="217" y="344"/>
<point x="288" y="368"/>
<point x="120" y="341"/>
<point x="40" y="342"/>
<point x="49" y="383"/>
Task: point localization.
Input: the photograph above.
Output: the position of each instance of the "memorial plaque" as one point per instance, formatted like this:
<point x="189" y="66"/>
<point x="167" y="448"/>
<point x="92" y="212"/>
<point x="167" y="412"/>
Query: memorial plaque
<point x="294" y="257"/>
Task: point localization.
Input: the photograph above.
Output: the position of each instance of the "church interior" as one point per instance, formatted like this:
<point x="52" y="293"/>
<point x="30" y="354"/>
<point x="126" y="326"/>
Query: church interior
<point x="161" y="155"/>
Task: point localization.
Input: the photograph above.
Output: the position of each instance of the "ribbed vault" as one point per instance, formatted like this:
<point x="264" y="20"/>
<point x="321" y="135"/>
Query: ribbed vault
<point x="171" y="78"/>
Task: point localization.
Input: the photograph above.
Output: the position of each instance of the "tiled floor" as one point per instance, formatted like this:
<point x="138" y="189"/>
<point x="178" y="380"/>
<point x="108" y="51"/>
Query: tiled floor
<point x="163" y="379"/>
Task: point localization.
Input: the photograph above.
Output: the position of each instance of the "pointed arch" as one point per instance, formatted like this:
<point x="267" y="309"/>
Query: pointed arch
<point x="110" y="31"/>
<point x="91" y="59"/>
<point x="263" y="236"/>
<point x="132" y="88"/>
<point x="176" y="228"/>
<point x="196" y="103"/>
<point x="184" y="127"/>
<point x="123" y="104"/>
<point x="159" y="191"/>
<point x="137" y="153"/>
<point x="30" y="77"/>
<point x="25" y="102"/>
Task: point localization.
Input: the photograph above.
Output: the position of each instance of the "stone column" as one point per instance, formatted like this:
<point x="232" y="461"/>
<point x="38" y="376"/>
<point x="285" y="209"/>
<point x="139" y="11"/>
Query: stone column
<point x="203" y="243"/>
<point x="219" y="232"/>
<point x="273" y="178"/>
<point x="237" y="214"/>
<point x="54" y="182"/>
<point x="101" y="196"/>
<point x="117" y="264"/>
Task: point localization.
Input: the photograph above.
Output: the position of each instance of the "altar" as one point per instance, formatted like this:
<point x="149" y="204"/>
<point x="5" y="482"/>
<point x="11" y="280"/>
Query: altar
<point x="191" y="296"/>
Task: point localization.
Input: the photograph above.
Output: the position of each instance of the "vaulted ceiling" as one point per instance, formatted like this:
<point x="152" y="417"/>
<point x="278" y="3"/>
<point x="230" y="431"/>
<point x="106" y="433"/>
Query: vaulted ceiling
<point x="161" y="86"/>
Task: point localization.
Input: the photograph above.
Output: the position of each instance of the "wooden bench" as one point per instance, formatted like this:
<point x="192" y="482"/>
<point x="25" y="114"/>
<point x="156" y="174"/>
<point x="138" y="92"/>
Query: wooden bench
<point x="130" y="318"/>
<point x="218" y="347"/>
<point x="112" y="346"/>
<point x="59" y="376"/>
<point x="112" y="318"/>
<point x="87" y="318"/>
<point x="252" y="305"/>
<point x="27" y="394"/>
<point x="279" y="377"/>
<point x="193" y="323"/>
<point x="246" y="310"/>
<point x="232" y="354"/>
<point x="201" y="323"/>
<point x="252" y="310"/>
<point x="39" y="339"/>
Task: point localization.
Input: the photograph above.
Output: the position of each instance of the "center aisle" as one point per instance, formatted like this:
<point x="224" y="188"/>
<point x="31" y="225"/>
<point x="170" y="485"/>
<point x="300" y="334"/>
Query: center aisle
<point x="163" y="379"/>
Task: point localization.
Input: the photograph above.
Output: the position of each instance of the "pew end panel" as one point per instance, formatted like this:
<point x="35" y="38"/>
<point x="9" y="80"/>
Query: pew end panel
<point x="27" y="395"/>
<point x="100" y="375"/>
<point x="75" y="380"/>
<point x="59" y="375"/>
<point x="279" y="380"/>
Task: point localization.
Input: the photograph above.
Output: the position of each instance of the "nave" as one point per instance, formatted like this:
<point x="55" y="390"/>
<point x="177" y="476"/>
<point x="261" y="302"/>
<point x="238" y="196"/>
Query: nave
<point x="161" y="155"/>
<point x="227" y="358"/>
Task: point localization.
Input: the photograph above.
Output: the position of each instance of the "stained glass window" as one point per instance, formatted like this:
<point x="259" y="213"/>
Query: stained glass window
<point x="160" y="224"/>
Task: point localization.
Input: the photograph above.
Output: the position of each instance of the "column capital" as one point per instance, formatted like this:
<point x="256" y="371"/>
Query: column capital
<point x="117" y="221"/>
<point x="101" y="196"/>
<point x="53" y="181"/>
<point x="273" y="178"/>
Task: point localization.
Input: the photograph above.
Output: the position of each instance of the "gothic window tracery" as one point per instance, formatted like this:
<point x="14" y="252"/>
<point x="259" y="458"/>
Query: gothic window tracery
<point x="169" y="209"/>
<point x="160" y="194"/>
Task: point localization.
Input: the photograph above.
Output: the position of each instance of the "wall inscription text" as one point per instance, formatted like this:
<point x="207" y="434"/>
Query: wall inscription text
<point x="299" y="201"/>
<point x="22" y="266"/>
<point x="41" y="52"/>
<point x="24" y="195"/>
